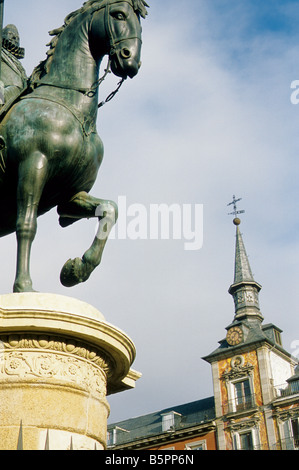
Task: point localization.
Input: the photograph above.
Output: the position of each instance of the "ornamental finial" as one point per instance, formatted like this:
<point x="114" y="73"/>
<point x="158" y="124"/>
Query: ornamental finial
<point x="235" y="212"/>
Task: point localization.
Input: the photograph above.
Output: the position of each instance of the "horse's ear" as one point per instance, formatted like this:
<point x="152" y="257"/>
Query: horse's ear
<point x="140" y="7"/>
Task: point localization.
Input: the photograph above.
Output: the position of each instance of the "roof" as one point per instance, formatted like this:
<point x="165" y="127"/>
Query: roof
<point x="149" y="425"/>
<point x="242" y="267"/>
<point x="257" y="333"/>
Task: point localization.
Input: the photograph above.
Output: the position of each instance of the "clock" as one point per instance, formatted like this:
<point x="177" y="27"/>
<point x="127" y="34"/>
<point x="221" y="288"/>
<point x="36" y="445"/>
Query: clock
<point x="234" y="336"/>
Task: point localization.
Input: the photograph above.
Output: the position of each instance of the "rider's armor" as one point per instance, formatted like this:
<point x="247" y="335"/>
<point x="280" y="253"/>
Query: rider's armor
<point x="13" y="74"/>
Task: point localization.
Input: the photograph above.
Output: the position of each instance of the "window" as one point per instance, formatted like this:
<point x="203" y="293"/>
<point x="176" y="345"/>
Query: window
<point x="198" y="445"/>
<point x="246" y="441"/>
<point x="111" y="437"/>
<point x="243" y="396"/>
<point x="289" y="434"/>
<point x="114" y="435"/>
<point x="240" y="386"/>
<point x="295" y="431"/>
<point x="294" y="386"/>
<point x="277" y="337"/>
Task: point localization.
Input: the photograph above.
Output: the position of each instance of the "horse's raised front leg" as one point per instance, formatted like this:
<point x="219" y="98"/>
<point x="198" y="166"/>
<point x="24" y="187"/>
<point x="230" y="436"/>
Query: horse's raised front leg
<point x="85" y="206"/>
<point x="31" y="179"/>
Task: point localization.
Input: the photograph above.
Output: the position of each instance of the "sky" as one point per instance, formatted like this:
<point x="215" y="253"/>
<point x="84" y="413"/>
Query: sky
<point x="211" y="114"/>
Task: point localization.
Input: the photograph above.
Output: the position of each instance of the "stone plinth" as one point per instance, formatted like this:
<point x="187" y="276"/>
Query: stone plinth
<point x="59" y="359"/>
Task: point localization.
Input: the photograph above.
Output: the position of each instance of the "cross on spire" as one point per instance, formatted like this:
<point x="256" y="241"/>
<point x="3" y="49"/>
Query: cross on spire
<point x="235" y="211"/>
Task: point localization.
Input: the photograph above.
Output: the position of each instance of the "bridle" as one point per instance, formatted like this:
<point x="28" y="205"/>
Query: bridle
<point x="113" y="43"/>
<point x="113" y="49"/>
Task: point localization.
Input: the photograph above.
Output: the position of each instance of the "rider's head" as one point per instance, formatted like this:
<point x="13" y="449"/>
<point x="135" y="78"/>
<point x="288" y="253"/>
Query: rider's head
<point x="11" y="33"/>
<point x="11" y="41"/>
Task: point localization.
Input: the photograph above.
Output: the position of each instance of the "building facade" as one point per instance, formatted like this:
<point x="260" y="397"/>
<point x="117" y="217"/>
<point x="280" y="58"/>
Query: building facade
<point x="256" y="388"/>
<point x="190" y="426"/>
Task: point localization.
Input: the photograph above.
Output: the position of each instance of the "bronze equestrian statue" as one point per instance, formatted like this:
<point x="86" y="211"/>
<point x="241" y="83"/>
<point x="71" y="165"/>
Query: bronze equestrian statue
<point x="50" y="152"/>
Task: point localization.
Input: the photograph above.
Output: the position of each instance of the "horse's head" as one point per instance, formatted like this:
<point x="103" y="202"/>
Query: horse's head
<point x="122" y="34"/>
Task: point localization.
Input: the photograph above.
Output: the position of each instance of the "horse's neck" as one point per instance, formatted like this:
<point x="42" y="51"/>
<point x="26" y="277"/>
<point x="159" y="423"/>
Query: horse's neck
<point x="73" y="68"/>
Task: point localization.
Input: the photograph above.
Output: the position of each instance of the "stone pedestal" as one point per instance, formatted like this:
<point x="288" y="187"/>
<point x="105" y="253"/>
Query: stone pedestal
<point x="59" y="359"/>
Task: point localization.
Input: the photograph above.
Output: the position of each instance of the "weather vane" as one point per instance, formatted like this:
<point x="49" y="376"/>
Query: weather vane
<point x="235" y="211"/>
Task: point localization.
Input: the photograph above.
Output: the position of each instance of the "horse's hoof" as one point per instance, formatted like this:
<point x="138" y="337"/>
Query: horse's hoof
<point x="69" y="275"/>
<point x="75" y="271"/>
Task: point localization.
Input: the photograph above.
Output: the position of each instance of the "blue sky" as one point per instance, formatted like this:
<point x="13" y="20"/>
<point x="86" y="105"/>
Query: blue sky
<point x="208" y="116"/>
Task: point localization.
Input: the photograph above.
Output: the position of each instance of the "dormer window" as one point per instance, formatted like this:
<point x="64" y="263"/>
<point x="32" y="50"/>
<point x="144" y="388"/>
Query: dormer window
<point x="277" y="337"/>
<point x="273" y="333"/>
<point x="113" y="435"/>
<point x="170" y="421"/>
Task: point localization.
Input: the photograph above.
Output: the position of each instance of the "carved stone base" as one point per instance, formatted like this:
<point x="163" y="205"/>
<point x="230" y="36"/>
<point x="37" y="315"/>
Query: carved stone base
<point x="59" y="359"/>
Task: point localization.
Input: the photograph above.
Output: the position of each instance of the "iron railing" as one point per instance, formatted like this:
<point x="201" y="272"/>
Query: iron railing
<point x="286" y="389"/>
<point x="240" y="404"/>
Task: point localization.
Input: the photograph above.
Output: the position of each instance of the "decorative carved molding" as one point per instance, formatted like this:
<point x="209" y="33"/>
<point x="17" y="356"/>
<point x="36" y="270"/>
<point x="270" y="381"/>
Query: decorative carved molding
<point x="29" y="365"/>
<point x="55" y="343"/>
<point x="237" y="362"/>
<point x="246" y="295"/>
<point x="26" y="356"/>
<point x="285" y="415"/>
<point x="246" y="424"/>
<point x="238" y="369"/>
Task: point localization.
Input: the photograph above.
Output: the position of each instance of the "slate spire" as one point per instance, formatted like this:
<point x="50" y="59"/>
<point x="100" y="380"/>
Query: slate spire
<point x="244" y="289"/>
<point x="242" y="266"/>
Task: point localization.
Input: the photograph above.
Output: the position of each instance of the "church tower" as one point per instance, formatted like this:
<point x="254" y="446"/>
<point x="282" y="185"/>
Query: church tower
<point x="252" y="372"/>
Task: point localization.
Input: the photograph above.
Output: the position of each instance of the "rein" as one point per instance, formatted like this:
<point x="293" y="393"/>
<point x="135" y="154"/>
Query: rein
<point x="93" y="89"/>
<point x="90" y="92"/>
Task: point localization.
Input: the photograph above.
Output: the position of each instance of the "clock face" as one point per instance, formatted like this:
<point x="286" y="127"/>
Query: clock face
<point x="234" y="335"/>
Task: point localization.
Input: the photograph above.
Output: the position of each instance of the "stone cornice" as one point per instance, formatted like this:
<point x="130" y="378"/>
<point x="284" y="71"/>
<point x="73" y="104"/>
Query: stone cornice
<point x="285" y="400"/>
<point x="230" y="351"/>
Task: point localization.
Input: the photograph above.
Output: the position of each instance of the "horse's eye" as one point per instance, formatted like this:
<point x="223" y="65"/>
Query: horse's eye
<point x="118" y="15"/>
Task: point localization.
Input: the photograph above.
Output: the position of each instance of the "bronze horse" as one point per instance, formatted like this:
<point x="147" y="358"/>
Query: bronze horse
<point x="50" y="150"/>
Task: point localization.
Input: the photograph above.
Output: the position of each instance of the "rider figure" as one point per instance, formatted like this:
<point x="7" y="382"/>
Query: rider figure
<point x="13" y="74"/>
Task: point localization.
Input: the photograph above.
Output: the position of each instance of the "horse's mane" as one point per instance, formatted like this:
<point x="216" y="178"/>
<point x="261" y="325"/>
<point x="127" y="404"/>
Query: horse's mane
<point x="44" y="66"/>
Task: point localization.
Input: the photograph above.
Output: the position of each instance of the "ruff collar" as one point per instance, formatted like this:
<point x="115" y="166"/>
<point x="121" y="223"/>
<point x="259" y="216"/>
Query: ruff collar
<point x="16" y="51"/>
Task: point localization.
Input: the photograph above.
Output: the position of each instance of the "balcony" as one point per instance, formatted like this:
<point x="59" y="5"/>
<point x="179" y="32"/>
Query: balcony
<point x="240" y="404"/>
<point x="287" y="389"/>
